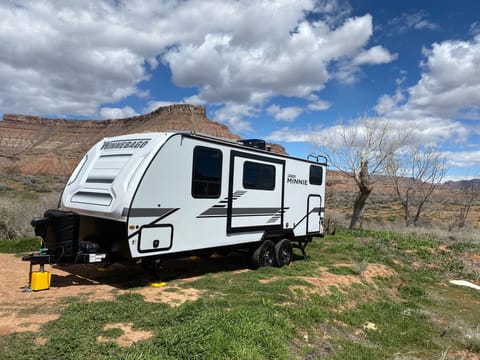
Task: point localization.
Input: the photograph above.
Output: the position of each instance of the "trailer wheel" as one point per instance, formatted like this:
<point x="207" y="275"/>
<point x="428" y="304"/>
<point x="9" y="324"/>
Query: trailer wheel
<point x="264" y="255"/>
<point x="283" y="252"/>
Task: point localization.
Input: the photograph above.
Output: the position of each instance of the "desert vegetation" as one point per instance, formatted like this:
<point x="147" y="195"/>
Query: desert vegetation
<point x="24" y="197"/>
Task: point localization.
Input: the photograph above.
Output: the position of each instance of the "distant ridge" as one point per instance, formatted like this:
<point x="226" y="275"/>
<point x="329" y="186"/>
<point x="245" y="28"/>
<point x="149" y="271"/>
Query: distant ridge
<point x="31" y="145"/>
<point x="462" y="184"/>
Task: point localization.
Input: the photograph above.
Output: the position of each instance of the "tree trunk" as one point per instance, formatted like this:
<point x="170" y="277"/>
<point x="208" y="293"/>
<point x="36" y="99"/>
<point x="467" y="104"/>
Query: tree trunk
<point x="364" y="189"/>
<point x="358" y="206"/>
<point x="406" y="207"/>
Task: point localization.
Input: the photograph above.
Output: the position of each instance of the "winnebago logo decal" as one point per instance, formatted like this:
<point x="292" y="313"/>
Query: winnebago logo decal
<point x="124" y="144"/>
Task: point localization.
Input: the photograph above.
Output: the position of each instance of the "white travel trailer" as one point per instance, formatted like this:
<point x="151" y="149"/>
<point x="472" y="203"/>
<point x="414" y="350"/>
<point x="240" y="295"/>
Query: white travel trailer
<point x="156" y="195"/>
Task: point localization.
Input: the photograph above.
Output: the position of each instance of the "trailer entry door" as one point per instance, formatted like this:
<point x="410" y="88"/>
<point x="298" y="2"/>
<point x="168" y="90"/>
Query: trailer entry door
<point x="255" y="193"/>
<point x="313" y="211"/>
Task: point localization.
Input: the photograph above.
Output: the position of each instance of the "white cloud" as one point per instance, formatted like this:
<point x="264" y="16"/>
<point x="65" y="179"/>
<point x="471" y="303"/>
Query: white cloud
<point x="416" y="20"/>
<point x="444" y="102"/>
<point x="450" y="80"/>
<point x="448" y="89"/>
<point x="428" y="132"/>
<point x="232" y="114"/>
<point x="319" y="105"/>
<point x="475" y="28"/>
<point x="348" y="70"/>
<point x="195" y="100"/>
<point x="289" y="113"/>
<point x="72" y="57"/>
<point x="116" y="113"/>
<point x="442" y="105"/>
<point x="333" y="12"/>
<point x="401" y="79"/>
<point x="331" y="135"/>
<point x="227" y="70"/>
<point x="60" y="58"/>
<point x="290" y="135"/>
<point x="463" y="158"/>
<point x="374" y="55"/>
<point x="386" y="103"/>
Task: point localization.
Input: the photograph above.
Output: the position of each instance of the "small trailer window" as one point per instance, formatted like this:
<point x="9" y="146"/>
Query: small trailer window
<point x="207" y="172"/>
<point x="258" y="176"/>
<point x="316" y="175"/>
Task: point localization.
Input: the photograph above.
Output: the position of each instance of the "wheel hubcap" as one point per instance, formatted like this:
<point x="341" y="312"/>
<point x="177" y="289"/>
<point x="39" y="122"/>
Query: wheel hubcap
<point x="267" y="257"/>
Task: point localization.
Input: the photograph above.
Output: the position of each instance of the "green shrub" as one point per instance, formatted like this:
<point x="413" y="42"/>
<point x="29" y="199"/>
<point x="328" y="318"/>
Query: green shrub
<point x="20" y="245"/>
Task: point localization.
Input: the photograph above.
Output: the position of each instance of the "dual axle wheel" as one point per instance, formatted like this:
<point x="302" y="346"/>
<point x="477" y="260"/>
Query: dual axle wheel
<point x="268" y="254"/>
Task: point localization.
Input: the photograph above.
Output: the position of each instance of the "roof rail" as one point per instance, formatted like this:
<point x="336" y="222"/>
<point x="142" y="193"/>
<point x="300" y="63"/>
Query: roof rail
<point x="208" y="136"/>
<point x="321" y="159"/>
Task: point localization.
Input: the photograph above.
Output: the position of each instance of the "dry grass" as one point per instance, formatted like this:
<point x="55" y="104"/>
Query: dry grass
<point x="466" y="333"/>
<point x="359" y="267"/>
<point x="23" y="198"/>
<point x="16" y="212"/>
<point x="464" y="235"/>
<point x="383" y="212"/>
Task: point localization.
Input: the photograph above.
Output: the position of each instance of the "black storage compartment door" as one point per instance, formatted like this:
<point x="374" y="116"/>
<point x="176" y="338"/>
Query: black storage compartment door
<point x="61" y="238"/>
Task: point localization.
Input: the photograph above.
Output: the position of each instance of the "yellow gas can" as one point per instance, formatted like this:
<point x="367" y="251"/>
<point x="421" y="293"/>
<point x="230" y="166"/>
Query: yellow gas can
<point x="40" y="280"/>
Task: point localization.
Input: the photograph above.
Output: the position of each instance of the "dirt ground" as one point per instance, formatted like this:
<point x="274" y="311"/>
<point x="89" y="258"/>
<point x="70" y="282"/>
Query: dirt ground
<point x="21" y="310"/>
<point x="27" y="311"/>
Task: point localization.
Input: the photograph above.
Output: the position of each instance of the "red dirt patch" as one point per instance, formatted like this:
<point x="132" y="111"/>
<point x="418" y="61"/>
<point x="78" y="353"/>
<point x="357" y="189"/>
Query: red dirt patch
<point x="128" y="337"/>
<point x="326" y="280"/>
<point x="322" y="284"/>
<point x="84" y="281"/>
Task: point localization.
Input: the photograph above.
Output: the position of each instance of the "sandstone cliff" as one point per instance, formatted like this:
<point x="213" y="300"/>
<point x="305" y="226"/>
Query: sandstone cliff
<point x="32" y="145"/>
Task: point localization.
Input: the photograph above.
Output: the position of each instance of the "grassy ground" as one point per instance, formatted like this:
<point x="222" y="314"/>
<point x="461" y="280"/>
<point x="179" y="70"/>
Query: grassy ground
<point x="332" y="305"/>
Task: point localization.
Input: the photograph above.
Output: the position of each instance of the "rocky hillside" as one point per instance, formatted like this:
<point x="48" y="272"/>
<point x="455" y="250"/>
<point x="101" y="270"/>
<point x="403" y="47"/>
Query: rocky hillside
<point x="463" y="184"/>
<point x="31" y="145"/>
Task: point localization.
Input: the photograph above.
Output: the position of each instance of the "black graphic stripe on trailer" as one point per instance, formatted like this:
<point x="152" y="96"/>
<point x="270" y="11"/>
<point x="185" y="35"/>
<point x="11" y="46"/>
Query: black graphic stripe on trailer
<point x="242" y="212"/>
<point x="159" y="213"/>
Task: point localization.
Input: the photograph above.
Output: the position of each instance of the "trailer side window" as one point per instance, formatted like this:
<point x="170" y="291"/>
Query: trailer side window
<point x="207" y="172"/>
<point x="258" y="176"/>
<point x="316" y="175"/>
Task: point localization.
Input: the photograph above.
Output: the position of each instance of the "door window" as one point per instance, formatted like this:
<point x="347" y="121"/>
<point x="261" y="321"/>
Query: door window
<point x="258" y="176"/>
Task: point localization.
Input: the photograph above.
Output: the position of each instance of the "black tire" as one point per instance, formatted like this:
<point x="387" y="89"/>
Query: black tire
<point x="264" y="255"/>
<point x="283" y="252"/>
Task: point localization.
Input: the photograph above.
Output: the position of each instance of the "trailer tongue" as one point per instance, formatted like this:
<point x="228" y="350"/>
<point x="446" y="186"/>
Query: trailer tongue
<point x="59" y="232"/>
<point x="60" y="245"/>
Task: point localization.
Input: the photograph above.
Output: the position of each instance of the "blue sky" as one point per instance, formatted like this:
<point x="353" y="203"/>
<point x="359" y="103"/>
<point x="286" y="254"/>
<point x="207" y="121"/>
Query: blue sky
<point x="279" y="70"/>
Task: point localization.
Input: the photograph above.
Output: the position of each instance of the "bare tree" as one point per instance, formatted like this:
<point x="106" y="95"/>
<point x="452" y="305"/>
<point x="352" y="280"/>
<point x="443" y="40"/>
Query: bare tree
<point x="468" y="193"/>
<point x="416" y="172"/>
<point x="360" y="150"/>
